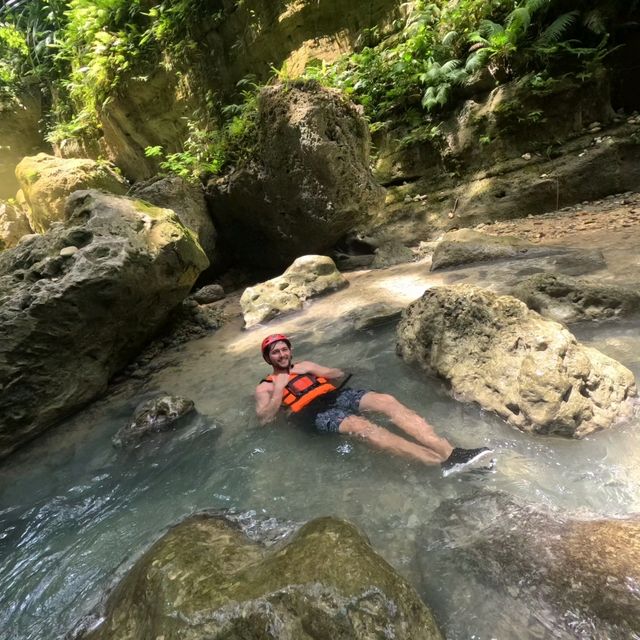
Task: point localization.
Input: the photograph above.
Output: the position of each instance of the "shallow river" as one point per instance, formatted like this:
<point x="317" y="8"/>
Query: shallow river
<point x="75" y="512"/>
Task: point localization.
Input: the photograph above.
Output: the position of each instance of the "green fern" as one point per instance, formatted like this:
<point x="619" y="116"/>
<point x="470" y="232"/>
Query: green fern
<point x="553" y="33"/>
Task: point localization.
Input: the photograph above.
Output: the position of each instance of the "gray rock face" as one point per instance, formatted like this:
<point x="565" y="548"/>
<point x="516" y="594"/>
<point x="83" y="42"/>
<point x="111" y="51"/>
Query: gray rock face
<point x="532" y="372"/>
<point x="307" y="277"/>
<point x="579" y="574"/>
<point x="153" y="416"/>
<point x="308" y="184"/>
<point x="70" y="319"/>
<point x="205" y="579"/>
<point x="187" y="201"/>
<point x="466" y="246"/>
<point x="567" y="299"/>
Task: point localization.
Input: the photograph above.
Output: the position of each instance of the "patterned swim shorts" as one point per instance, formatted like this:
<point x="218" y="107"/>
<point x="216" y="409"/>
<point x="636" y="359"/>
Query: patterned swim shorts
<point x="345" y="404"/>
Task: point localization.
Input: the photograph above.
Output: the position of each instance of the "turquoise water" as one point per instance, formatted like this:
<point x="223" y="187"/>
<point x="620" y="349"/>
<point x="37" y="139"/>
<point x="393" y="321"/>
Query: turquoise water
<point x="75" y="512"/>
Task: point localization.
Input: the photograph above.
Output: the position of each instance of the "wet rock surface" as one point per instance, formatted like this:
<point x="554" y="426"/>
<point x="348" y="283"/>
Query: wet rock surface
<point x="307" y="277"/>
<point x="72" y="318"/>
<point x="466" y="246"/>
<point x="567" y="299"/>
<point x="579" y="574"/>
<point x="205" y="578"/>
<point x="154" y="416"/>
<point x="531" y="371"/>
<point x="308" y="184"/>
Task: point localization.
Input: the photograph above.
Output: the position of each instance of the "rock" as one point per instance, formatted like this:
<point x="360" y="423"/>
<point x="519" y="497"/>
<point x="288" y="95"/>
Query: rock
<point x="567" y="299"/>
<point x="351" y="263"/>
<point x="13" y="225"/>
<point x="20" y="135"/>
<point x="391" y="253"/>
<point x="208" y="294"/>
<point x="47" y="181"/>
<point x="188" y="202"/>
<point x="373" y="315"/>
<point x="307" y="277"/>
<point x="531" y="371"/>
<point x="69" y="323"/>
<point x="206" y="579"/>
<point x="566" y="570"/>
<point x="308" y="183"/>
<point x="465" y="246"/>
<point x="153" y="416"/>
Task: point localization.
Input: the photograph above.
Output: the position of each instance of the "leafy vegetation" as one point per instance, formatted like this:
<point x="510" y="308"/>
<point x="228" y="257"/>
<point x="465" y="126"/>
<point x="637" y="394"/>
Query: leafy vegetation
<point x="444" y="46"/>
<point x="80" y="51"/>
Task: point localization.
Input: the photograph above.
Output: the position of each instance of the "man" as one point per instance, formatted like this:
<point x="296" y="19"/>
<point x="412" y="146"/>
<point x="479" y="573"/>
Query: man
<point x="317" y="393"/>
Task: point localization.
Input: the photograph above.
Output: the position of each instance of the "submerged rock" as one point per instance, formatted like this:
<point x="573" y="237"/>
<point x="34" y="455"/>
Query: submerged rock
<point x="307" y="277"/>
<point x="47" y="181"/>
<point x="567" y="299"/>
<point x="206" y="579"/>
<point x="154" y="416"/>
<point x="531" y="371"/>
<point x="309" y="181"/>
<point x="71" y="319"/>
<point x="587" y="571"/>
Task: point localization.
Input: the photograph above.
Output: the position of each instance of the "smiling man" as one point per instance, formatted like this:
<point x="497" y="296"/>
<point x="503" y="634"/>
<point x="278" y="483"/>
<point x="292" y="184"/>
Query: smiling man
<point x="316" y="393"/>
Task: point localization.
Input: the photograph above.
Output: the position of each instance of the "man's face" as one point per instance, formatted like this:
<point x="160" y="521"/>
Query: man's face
<point x="280" y="355"/>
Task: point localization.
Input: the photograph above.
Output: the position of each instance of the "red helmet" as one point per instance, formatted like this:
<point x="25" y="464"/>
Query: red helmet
<point x="269" y="340"/>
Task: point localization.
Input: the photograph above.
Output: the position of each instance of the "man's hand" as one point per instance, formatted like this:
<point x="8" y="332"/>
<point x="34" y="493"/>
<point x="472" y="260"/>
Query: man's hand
<point x="269" y="398"/>
<point x="280" y="381"/>
<point x="317" y="370"/>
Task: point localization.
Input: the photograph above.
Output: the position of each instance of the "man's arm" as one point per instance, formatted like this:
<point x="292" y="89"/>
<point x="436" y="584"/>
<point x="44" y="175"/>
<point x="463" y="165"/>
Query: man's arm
<point x="317" y="370"/>
<point x="269" y="398"/>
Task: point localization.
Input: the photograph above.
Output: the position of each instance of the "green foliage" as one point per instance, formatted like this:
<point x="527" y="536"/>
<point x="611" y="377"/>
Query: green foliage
<point x="442" y="46"/>
<point x="213" y="145"/>
<point x="13" y="53"/>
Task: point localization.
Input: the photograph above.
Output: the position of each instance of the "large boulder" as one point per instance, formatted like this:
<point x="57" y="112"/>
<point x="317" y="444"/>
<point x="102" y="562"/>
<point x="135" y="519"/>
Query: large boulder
<point x="187" y="201"/>
<point x="573" y="572"/>
<point x="308" y="182"/>
<point x="13" y="225"/>
<point x="566" y="299"/>
<point x="307" y="277"/>
<point x="531" y="371"/>
<point x="78" y="302"/>
<point x="206" y="579"/>
<point x="47" y="181"/>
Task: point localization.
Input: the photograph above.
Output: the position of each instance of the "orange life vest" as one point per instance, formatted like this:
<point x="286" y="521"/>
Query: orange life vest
<point x="302" y="389"/>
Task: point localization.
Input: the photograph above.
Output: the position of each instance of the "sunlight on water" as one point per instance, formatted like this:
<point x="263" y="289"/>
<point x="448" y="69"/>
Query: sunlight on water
<point x="75" y="512"/>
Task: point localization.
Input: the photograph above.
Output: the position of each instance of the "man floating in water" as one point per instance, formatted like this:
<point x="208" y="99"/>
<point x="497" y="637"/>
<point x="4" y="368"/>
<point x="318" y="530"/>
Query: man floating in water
<point x="318" y="394"/>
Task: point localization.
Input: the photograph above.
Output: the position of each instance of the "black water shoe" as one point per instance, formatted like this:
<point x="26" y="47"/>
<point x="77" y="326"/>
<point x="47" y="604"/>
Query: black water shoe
<point x="461" y="459"/>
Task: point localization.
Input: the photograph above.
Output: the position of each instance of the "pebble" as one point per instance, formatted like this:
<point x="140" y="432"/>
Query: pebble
<point x="68" y="251"/>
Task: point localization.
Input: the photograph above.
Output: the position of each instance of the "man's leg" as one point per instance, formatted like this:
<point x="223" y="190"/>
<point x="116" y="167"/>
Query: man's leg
<point x="387" y="441"/>
<point x="407" y="420"/>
